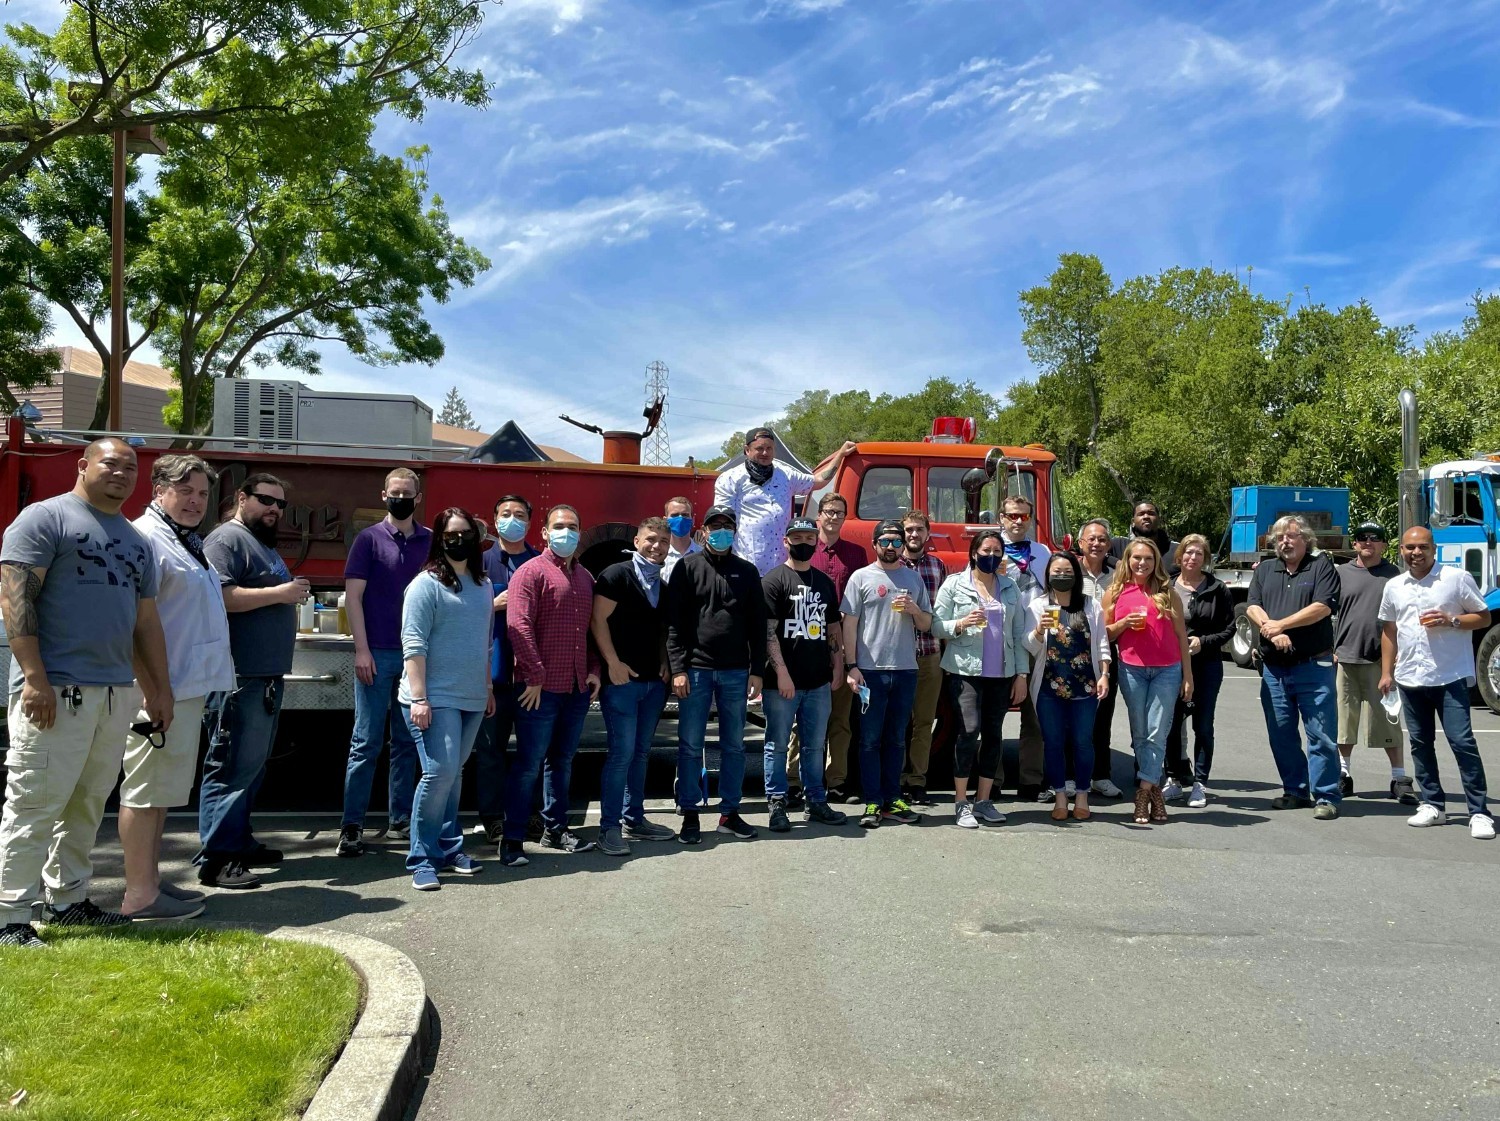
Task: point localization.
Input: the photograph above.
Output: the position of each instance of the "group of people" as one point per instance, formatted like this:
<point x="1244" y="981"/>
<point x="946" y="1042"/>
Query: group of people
<point x="126" y="638"/>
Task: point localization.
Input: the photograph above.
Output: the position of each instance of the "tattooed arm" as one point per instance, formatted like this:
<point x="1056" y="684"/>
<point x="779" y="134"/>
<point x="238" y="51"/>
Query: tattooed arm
<point x="20" y="587"/>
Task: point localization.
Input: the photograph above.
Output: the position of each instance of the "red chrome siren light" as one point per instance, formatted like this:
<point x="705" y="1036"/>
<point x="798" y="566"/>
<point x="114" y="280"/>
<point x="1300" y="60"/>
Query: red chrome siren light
<point x="952" y="430"/>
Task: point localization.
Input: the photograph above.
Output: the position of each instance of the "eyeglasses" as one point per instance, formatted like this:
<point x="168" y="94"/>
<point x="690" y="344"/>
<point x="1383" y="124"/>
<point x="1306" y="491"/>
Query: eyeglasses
<point x="267" y="500"/>
<point x="833" y="515"/>
<point x="890" y="542"/>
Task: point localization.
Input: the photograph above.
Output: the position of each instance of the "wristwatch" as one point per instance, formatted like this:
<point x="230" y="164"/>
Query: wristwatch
<point x="1455" y="623"/>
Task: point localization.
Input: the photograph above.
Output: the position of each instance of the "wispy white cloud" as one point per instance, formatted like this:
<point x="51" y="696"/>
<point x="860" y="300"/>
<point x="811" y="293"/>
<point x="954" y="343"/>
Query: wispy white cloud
<point x="559" y="14"/>
<point x="799" y="9"/>
<point x="1314" y="85"/>
<point x="656" y="138"/>
<point x="857" y="199"/>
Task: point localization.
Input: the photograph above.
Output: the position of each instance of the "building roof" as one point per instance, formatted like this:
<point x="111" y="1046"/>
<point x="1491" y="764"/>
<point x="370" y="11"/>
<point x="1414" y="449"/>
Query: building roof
<point x="457" y="437"/>
<point x="86" y="363"/>
<point x="562" y="455"/>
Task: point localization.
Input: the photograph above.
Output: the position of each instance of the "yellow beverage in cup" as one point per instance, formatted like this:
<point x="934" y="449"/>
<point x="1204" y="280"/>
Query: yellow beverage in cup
<point x="1138" y="622"/>
<point x="897" y="600"/>
<point x="1053" y="615"/>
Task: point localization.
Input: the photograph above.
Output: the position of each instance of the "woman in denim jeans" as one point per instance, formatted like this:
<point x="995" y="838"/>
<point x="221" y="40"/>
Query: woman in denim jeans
<point x="1145" y="621"/>
<point x="1070" y="650"/>
<point x="979" y="612"/>
<point x="446" y="619"/>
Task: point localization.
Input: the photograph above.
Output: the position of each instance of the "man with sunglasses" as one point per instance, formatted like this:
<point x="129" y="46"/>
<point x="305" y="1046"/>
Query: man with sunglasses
<point x="1025" y="562"/>
<point x="1356" y="648"/>
<point x="261" y="597"/>
<point x="382" y="561"/>
<point x="1428" y="617"/>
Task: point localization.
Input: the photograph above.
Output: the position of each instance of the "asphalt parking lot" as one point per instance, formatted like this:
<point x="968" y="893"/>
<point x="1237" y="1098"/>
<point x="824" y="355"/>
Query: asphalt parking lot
<point x="1235" y="962"/>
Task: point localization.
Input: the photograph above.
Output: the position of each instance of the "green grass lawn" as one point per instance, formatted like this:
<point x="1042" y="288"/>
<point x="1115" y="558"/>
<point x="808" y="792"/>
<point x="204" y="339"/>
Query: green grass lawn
<point x="168" y="1025"/>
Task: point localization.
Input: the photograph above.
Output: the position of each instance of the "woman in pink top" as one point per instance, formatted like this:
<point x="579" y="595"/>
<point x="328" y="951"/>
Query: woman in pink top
<point x="1145" y="620"/>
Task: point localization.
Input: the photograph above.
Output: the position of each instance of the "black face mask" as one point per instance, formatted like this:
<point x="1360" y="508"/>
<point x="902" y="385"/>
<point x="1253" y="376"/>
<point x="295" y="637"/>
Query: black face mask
<point x="760" y="473"/>
<point x="801" y="553"/>
<point x="456" y="552"/>
<point x="1061" y="582"/>
<point x="401" y="508"/>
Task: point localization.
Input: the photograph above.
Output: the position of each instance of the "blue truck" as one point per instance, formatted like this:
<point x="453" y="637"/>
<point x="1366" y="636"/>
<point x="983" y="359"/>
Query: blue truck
<point x="1459" y="500"/>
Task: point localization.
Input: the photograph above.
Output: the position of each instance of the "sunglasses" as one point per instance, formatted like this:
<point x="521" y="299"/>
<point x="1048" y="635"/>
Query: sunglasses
<point x="267" y="500"/>
<point x="1016" y="517"/>
<point x="891" y="542"/>
<point x="467" y="537"/>
<point x="1367" y="538"/>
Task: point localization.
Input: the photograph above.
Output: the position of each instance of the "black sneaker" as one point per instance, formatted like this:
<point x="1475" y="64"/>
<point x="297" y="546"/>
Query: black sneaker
<point x="917" y="796"/>
<point x="261" y="857"/>
<point x="1404" y="791"/>
<point x="839" y="795"/>
<point x="691" y="833"/>
<point x="398" y="831"/>
<point x="228" y="874"/>
<point x="779" y="822"/>
<point x="737" y="826"/>
<point x="870" y="819"/>
<point x="823" y="814"/>
<point x="566" y="840"/>
<point x="535" y="827"/>
<point x="21" y="934"/>
<point x="512" y="854"/>
<point x="350" y="843"/>
<point x="1290" y="802"/>
<point x="795" y="799"/>
<point x="899" y="813"/>
<point x="1346" y="784"/>
<point x="494" y="829"/>
<point x="85" y="913"/>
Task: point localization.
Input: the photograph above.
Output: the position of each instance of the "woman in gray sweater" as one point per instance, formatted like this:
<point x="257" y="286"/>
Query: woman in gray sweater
<point x="446" y="617"/>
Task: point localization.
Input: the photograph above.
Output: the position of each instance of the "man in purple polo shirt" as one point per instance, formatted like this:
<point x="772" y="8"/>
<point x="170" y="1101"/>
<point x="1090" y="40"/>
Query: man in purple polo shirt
<point x="382" y="561"/>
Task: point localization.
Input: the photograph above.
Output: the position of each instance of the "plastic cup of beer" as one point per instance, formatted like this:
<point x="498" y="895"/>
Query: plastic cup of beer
<point x="1137" y="620"/>
<point x="898" y="601"/>
<point x="1052" y="614"/>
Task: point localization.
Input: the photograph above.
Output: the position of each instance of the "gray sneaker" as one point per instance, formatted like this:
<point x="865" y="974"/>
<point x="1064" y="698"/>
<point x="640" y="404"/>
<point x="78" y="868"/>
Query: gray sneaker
<point x="986" y="812"/>
<point x="166" y="909"/>
<point x="647" y="830"/>
<point x="612" y="844"/>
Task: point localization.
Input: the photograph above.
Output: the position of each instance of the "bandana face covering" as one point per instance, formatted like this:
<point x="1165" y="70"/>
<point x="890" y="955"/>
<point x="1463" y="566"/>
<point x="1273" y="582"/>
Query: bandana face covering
<point x="1019" y="553"/>
<point x="188" y="537"/>
<point x="760" y="474"/>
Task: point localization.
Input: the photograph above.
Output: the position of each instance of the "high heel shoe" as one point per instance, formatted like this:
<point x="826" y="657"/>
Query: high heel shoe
<point x="1142" y="806"/>
<point x="1158" y="807"/>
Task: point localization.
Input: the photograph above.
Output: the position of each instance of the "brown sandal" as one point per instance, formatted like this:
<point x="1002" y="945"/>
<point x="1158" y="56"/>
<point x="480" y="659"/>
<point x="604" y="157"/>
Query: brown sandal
<point x="1142" y="806"/>
<point x="1158" y="807"/>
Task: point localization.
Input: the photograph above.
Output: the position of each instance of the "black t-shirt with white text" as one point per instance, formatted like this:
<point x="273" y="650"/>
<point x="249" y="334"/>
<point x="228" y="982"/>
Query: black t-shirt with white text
<point x="804" y="608"/>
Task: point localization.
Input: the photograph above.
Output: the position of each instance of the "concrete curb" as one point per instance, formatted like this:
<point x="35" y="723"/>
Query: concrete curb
<point x="377" y="1071"/>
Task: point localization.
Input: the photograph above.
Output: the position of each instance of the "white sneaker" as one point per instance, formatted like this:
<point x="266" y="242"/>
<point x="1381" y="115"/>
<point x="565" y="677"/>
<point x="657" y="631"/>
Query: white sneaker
<point x="1199" y="797"/>
<point x="1172" y="790"/>
<point x="985" y="811"/>
<point x="1482" y="827"/>
<point x="1105" y="789"/>
<point x="963" y="816"/>
<point x="1070" y="789"/>
<point x="1428" y="814"/>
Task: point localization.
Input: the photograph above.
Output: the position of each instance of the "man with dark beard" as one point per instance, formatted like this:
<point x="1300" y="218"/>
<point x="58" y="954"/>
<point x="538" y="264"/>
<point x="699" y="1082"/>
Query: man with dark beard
<point x="1145" y="521"/>
<point x="261" y="598"/>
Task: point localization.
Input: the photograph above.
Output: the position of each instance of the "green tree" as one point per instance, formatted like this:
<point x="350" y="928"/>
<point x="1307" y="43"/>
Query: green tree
<point x="276" y="72"/>
<point x="455" y="411"/>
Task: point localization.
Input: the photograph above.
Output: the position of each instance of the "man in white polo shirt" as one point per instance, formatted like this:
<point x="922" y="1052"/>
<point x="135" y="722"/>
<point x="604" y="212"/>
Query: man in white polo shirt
<point x="1427" y="652"/>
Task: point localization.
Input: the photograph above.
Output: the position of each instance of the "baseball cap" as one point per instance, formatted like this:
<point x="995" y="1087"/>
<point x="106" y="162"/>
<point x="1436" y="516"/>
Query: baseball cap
<point x="1370" y="527"/>
<point x="890" y="525"/>
<point x="721" y="512"/>
<point x="802" y="525"/>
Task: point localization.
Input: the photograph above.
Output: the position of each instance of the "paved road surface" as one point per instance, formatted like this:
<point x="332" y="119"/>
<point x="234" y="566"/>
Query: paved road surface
<point x="1235" y="963"/>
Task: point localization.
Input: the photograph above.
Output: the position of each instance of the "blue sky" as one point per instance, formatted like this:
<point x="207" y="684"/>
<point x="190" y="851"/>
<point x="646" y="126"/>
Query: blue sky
<point x="774" y="195"/>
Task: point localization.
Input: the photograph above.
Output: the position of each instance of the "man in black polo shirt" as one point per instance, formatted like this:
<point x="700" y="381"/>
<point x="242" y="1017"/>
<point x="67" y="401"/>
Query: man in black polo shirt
<point x="1292" y="600"/>
<point x="629" y="627"/>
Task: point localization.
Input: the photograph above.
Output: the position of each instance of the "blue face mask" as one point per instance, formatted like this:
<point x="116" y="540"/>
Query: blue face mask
<point x="563" y="541"/>
<point x="989" y="562"/>
<point x="510" y="529"/>
<point x="680" y="524"/>
<point x="721" y="540"/>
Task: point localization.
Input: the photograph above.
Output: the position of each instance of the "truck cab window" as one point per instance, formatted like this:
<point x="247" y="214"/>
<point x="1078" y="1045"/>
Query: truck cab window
<point x="884" y="492"/>
<point x="948" y="502"/>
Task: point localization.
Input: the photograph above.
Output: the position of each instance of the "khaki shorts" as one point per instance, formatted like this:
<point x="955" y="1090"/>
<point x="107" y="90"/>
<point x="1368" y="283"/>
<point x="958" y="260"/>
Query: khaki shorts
<point x="1359" y="691"/>
<point x="162" y="777"/>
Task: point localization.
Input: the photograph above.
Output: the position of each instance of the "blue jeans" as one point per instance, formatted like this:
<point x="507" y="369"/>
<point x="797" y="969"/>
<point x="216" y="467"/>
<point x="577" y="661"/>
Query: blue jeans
<point x="1150" y="694"/>
<point x="882" y="732"/>
<point x="1423" y="706"/>
<point x="728" y="687"/>
<point x="546" y="741"/>
<point x="436" y="839"/>
<point x="239" y="743"/>
<point x="372" y="704"/>
<point x="808" y="710"/>
<point x="489" y="752"/>
<point x="1067" y="727"/>
<point x="1305" y="689"/>
<point x="631" y="712"/>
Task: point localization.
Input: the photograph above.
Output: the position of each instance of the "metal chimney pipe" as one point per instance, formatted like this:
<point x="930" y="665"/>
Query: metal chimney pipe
<point x="1413" y="510"/>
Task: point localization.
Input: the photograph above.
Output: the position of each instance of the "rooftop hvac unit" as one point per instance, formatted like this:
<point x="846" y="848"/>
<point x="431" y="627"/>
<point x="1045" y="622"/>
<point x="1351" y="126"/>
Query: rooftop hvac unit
<point x="264" y="412"/>
<point x="286" y="416"/>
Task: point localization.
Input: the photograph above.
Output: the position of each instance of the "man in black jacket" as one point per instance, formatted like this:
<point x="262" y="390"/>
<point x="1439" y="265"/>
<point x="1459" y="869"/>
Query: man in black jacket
<point x="1145" y="521"/>
<point x="716" y="650"/>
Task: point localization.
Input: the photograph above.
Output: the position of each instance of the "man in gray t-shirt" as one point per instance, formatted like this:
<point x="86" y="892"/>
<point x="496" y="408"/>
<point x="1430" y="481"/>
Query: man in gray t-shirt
<point x="77" y="588"/>
<point x="884" y="605"/>
<point x="1356" y="647"/>
<point x="261" y="598"/>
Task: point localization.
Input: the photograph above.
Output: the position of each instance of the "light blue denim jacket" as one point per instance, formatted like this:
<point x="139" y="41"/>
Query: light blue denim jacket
<point x="964" y="653"/>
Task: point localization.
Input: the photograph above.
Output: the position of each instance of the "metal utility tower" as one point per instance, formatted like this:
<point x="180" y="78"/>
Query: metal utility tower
<point x="658" y="449"/>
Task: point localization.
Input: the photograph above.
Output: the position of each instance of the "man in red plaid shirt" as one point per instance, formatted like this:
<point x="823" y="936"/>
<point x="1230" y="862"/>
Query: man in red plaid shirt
<point x="547" y="618"/>
<point x="917" y="530"/>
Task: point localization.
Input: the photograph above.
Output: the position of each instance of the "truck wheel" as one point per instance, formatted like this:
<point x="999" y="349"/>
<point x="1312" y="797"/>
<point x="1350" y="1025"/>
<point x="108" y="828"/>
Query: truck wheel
<point x="1243" y="639"/>
<point x="1488" y="669"/>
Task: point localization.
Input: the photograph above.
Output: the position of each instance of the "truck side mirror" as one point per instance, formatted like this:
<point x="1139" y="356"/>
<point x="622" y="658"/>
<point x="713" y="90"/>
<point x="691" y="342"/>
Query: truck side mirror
<point x="1442" y="503"/>
<point x="974" y="480"/>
